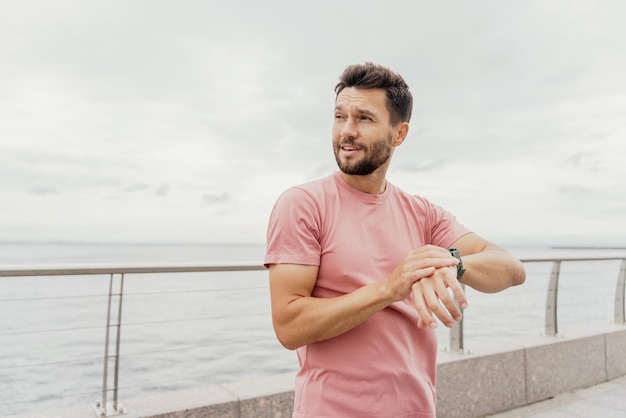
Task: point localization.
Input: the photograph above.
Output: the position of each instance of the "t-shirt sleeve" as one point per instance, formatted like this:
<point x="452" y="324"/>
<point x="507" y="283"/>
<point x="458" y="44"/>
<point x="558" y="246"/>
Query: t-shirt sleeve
<point x="445" y="228"/>
<point x="293" y="230"/>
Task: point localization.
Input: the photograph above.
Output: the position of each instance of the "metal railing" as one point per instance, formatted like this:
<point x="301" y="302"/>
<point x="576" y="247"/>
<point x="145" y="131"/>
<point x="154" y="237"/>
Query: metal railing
<point x="551" y="307"/>
<point x="106" y="408"/>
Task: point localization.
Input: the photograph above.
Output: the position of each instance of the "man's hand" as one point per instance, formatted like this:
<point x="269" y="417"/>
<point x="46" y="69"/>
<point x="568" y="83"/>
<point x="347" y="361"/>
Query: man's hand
<point x="432" y="298"/>
<point x="417" y="265"/>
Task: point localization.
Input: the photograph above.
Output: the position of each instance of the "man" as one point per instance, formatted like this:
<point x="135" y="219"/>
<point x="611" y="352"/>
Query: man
<point x="360" y="270"/>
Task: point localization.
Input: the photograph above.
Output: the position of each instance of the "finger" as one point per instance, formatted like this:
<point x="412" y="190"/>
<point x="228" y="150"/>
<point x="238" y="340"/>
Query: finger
<point x="429" y="248"/>
<point x="421" y="323"/>
<point x="457" y="289"/>
<point x="423" y="273"/>
<point x="440" y="303"/>
<point x="417" y="262"/>
<point x="425" y="318"/>
<point x="448" y="287"/>
<point x="428" y="306"/>
<point x="447" y="301"/>
<point x="431" y="251"/>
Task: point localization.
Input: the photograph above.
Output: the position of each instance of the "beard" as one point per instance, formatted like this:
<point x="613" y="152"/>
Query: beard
<point x="375" y="156"/>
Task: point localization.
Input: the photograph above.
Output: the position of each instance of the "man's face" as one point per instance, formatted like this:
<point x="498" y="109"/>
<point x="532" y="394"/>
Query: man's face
<point x="362" y="134"/>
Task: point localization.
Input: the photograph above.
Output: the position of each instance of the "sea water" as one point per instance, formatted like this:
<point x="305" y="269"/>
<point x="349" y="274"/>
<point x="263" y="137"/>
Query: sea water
<point x="193" y="329"/>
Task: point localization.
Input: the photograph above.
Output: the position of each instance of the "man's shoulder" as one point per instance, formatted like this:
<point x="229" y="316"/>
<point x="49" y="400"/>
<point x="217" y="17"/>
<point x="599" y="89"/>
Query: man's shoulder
<point x="319" y="182"/>
<point x="316" y="187"/>
<point x="308" y="194"/>
<point x="410" y="197"/>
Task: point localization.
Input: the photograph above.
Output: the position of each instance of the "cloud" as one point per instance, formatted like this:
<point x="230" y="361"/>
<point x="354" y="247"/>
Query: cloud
<point x="136" y="187"/>
<point x="585" y="160"/>
<point x="214" y="198"/>
<point x="163" y="190"/>
<point x="574" y="191"/>
<point x="420" y="166"/>
<point x="42" y="191"/>
<point x="517" y="126"/>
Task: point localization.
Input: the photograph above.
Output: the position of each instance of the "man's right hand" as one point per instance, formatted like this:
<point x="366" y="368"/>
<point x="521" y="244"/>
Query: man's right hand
<point x="417" y="265"/>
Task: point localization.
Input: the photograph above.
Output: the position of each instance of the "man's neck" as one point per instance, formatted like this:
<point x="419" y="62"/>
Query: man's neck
<point x="374" y="183"/>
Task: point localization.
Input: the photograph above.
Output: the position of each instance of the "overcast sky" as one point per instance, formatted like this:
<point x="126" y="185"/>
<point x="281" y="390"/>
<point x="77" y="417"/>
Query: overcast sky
<point x="182" y="121"/>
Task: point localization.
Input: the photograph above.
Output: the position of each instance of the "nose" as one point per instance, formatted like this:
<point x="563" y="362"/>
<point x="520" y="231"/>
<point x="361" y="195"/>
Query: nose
<point x="349" y="128"/>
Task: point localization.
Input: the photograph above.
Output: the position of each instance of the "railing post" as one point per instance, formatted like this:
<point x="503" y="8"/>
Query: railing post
<point x="101" y="408"/>
<point x="551" y="301"/>
<point x="456" y="332"/>
<point x="620" y="315"/>
<point x="456" y="337"/>
<point x="116" y="406"/>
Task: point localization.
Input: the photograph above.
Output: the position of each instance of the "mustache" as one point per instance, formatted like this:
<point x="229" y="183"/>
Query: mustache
<point x="350" y="142"/>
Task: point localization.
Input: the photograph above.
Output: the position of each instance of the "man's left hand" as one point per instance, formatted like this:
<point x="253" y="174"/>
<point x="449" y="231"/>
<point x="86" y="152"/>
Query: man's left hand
<point x="432" y="298"/>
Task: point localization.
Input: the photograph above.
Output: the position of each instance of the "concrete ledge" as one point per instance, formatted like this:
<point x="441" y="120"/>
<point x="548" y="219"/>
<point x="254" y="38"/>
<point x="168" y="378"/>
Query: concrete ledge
<point x="475" y="385"/>
<point x="615" y="354"/>
<point x="505" y="375"/>
<point x="267" y="397"/>
<point x="563" y="366"/>
<point x="493" y="378"/>
<point x="270" y="397"/>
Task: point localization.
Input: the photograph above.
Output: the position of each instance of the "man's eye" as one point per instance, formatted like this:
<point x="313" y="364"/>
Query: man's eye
<point x="338" y="116"/>
<point x="365" y="118"/>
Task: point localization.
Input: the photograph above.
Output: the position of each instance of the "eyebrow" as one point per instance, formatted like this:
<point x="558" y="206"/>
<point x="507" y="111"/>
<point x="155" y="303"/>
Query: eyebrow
<point x="359" y="110"/>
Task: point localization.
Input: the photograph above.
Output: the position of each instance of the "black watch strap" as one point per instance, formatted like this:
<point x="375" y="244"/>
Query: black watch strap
<point x="459" y="267"/>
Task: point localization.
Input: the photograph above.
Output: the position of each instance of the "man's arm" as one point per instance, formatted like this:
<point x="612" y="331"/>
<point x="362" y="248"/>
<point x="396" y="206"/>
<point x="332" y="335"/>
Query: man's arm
<point x="300" y="318"/>
<point x="488" y="268"/>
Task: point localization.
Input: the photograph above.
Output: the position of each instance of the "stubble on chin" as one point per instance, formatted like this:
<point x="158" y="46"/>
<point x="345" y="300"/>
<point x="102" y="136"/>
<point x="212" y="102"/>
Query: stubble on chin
<point x="368" y="163"/>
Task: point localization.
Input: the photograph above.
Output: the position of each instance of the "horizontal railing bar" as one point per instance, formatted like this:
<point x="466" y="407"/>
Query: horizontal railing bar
<point x="167" y="292"/>
<point x="177" y="349"/>
<point x="16" y="271"/>
<point x="130" y="324"/>
<point x="42" y="298"/>
<point x="192" y="347"/>
<point x="39" y="331"/>
<point x="549" y="259"/>
<point x="50" y="363"/>
<point x="162" y="292"/>
<point x="198" y="318"/>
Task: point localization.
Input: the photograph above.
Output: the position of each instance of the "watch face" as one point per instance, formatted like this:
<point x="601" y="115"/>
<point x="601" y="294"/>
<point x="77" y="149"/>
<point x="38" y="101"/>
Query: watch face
<point x="459" y="267"/>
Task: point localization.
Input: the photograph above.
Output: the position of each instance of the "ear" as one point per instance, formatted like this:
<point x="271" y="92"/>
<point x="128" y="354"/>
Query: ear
<point x="401" y="131"/>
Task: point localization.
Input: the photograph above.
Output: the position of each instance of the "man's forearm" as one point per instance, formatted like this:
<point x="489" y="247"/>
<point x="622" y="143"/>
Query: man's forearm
<point x="310" y="319"/>
<point x="492" y="270"/>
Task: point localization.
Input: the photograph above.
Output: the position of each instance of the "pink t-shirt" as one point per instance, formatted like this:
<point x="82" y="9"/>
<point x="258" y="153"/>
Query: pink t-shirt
<point x="384" y="367"/>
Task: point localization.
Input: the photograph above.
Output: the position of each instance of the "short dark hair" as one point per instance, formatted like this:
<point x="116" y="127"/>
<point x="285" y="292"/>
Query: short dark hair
<point x="373" y="76"/>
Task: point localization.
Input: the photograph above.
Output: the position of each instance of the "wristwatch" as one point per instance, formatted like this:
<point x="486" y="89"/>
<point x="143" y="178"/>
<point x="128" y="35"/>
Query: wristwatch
<point x="459" y="267"/>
